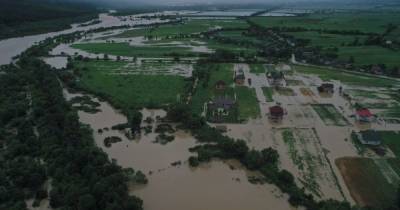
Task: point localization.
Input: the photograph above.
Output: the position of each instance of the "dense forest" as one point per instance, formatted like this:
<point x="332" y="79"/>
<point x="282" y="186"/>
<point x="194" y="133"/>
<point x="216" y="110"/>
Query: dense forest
<point x="27" y="17"/>
<point x="46" y="152"/>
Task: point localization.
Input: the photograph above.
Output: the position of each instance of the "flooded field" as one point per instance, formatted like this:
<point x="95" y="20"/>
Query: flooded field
<point x="173" y="184"/>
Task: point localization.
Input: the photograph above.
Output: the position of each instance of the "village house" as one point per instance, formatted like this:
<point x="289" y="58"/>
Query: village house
<point x="326" y="88"/>
<point x="364" y="115"/>
<point x="240" y="79"/>
<point x="369" y="137"/>
<point x="376" y="69"/>
<point x="220" y="85"/>
<point x="276" y="78"/>
<point x="220" y="107"/>
<point x="276" y="113"/>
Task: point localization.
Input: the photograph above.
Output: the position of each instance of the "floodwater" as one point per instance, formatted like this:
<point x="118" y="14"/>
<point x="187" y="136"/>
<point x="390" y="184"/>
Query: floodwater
<point x="234" y="12"/>
<point x="57" y="62"/>
<point x="215" y="186"/>
<point x="14" y="46"/>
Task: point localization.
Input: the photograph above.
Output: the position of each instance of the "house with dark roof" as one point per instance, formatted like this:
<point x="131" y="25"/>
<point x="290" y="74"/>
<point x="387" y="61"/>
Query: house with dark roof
<point x="220" y="85"/>
<point x="326" y="88"/>
<point x="369" y="137"/>
<point x="275" y="78"/>
<point x="364" y="115"/>
<point x="220" y="108"/>
<point x="239" y="79"/>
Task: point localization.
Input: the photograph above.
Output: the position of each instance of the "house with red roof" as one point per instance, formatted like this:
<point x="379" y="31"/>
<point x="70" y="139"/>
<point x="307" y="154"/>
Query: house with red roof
<point x="364" y="115"/>
<point x="276" y="113"/>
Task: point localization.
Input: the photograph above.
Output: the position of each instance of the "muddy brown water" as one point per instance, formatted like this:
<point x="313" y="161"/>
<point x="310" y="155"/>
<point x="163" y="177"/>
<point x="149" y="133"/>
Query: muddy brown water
<point x="216" y="185"/>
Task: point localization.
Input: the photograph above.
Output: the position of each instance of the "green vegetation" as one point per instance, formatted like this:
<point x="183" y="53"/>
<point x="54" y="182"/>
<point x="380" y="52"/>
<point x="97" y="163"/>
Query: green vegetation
<point x="216" y="145"/>
<point x="364" y="21"/>
<point x="257" y="68"/>
<point x="326" y="40"/>
<point x="129" y="90"/>
<point x="289" y="139"/>
<point x="369" y="55"/>
<point x="28" y="17"/>
<point x="391" y="139"/>
<point x="208" y="75"/>
<point x="248" y="103"/>
<point x="124" y="49"/>
<point x="82" y="176"/>
<point x="182" y="29"/>
<point x="367" y="182"/>
<point x="329" y="114"/>
<point x="268" y="93"/>
<point x="285" y="91"/>
<point x="345" y="77"/>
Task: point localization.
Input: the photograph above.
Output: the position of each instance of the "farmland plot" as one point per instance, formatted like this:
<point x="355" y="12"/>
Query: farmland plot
<point x="307" y="154"/>
<point x="369" y="181"/>
<point x="330" y="115"/>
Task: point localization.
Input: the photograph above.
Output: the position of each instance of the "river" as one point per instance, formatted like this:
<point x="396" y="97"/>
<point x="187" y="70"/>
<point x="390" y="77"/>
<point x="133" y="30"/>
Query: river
<point x="219" y="185"/>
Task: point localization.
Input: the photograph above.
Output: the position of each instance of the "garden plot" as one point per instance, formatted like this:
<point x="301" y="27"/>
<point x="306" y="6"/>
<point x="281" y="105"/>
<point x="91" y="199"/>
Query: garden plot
<point x="307" y="154"/>
<point x="300" y="116"/>
<point x="369" y="181"/>
<point x="330" y="115"/>
<point x="307" y="92"/>
<point x="285" y="91"/>
<point x="294" y="82"/>
<point x="184" y="70"/>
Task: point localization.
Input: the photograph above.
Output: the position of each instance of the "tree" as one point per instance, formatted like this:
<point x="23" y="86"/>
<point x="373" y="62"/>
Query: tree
<point x="135" y="121"/>
<point x="87" y="202"/>
<point x="270" y="155"/>
<point x="253" y="160"/>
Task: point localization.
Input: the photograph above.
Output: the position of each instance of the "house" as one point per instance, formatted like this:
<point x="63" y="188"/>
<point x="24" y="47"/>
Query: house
<point x="221" y="105"/>
<point x="364" y="115"/>
<point x="376" y="69"/>
<point x="275" y="78"/>
<point x="221" y="128"/>
<point x="220" y="108"/>
<point x="369" y="137"/>
<point x="240" y="79"/>
<point x="220" y="85"/>
<point x="326" y="88"/>
<point x="276" y="112"/>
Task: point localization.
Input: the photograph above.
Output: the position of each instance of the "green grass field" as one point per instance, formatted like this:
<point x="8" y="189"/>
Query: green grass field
<point x="366" y="182"/>
<point x="268" y="93"/>
<point x="206" y="92"/>
<point x="248" y="103"/>
<point x="187" y="28"/>
<point x="347" y="78"/>
<point x="329" y="114"/>
<point x="392" y="140"/>
<point x="129" y="90"/>
<point x="124" y="49"/>
<point x="326" y="40"/>
<point x="257" y="68"/>
<point x="369" y="55"/>
<point x="368" y="21"/>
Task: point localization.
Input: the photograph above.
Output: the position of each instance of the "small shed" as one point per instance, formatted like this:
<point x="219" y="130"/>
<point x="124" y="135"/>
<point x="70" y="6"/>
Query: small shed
<point x="326" y="88"/>
<point x="240" y="79"/>
<point x="220" y="85"/>
<point x="364" y="115"/>
<point x="221" y="128"/>
<point x="276" y="112"/>
<point x="275" y="78"/>
<point x="369" y="137"/>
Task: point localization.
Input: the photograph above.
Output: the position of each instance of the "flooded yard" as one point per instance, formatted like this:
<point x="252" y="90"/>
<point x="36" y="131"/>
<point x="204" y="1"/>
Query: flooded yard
<point x="173" y="184"/>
